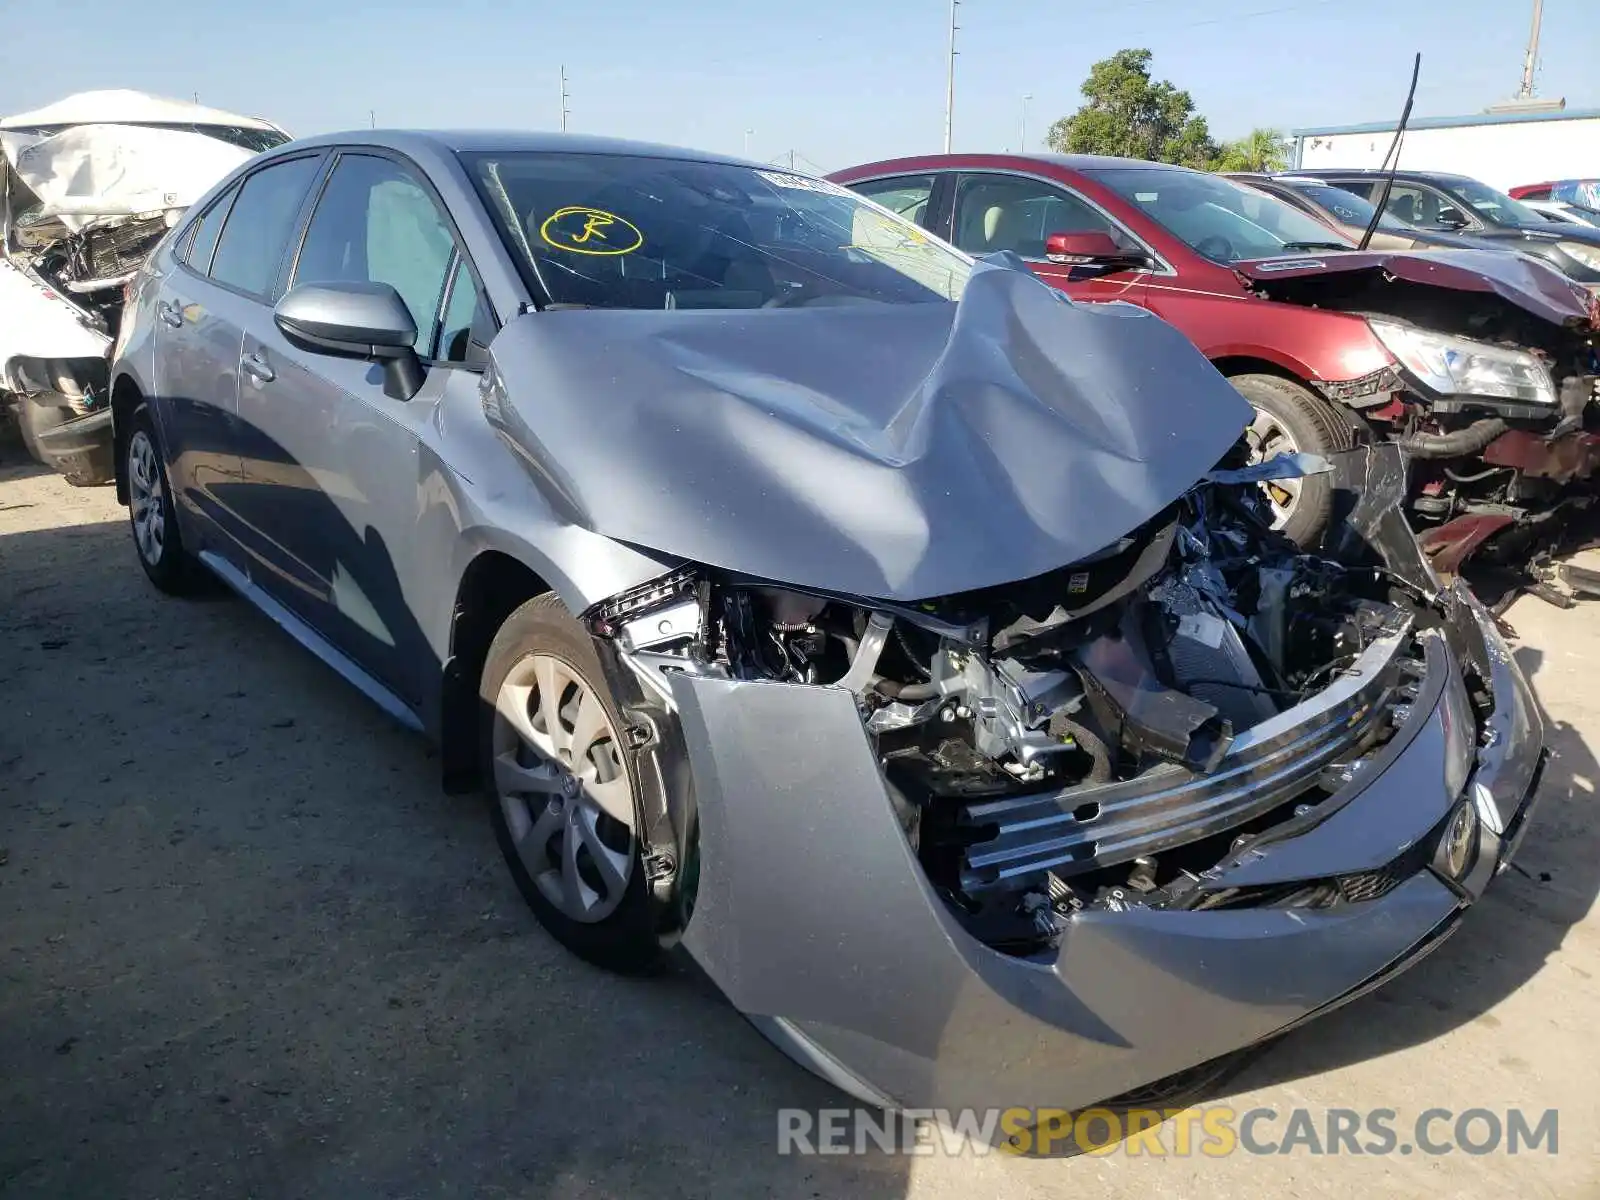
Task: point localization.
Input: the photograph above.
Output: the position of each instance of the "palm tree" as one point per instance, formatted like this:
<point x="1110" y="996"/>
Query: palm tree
<point x="1259" y="150"/>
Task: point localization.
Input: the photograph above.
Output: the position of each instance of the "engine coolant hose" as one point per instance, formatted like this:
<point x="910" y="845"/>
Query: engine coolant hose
<point x="1099" y="754"/>
<point x="1474" y="439"/>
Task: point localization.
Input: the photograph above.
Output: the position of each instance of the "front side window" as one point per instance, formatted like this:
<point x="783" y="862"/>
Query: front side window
<point x="1421" y="207"/>
<point x="1493" y="206"/>
<point x="375" y="223"/>
<point x="1217" y="218"/>
<point x="260" y="224"/>
<point x="626" y="231"/>
<point x="1002" y="212"/>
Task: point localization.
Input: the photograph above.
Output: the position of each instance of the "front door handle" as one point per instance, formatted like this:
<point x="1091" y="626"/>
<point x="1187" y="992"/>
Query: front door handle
<point x="256" y="367"/>
<point x="169" y="315"/>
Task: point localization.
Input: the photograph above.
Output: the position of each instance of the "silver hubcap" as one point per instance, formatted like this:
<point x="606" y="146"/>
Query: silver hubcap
<point x="559" y="774"/>
<point x="145" y="500"/>
<point x="1268" y="439"/>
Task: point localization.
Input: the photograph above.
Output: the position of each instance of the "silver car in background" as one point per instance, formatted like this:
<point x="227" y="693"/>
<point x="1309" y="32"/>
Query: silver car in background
<point x="907" y="642"/>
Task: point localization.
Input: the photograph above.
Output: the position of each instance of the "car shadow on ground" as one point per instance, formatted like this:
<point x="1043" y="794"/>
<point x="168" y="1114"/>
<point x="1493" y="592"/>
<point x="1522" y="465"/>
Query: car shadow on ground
<point x="1502" y="943"/>
<point x="248" y="946"/>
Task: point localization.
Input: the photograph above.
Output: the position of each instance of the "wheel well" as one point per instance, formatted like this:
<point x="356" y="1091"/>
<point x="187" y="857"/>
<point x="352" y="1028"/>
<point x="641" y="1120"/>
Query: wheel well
<point x="125" y="398"/>
<point x="1243" y="364"/>
<point x="493" y="586"/>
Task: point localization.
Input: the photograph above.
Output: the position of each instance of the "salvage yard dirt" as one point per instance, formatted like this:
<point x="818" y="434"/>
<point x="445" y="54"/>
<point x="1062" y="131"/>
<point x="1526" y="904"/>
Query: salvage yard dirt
<point x="248" y="947"/>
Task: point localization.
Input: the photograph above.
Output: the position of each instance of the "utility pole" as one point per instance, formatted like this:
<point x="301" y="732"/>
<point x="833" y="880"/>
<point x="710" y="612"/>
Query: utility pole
<point x="791" y="160"/>
<point x="372" y="118"/>
<point x="747" y="134"/>
<point x="564" y="109"/>
<point x="1024" y="147"/>
<point x="950" y="77"/>
<point x="1530" y="60"/>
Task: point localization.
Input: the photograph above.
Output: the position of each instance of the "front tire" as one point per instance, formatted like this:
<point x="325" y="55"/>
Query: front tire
<point x="152" y="515"/>
<point x="1290" y="419"/>
<point x="561" y="793"/>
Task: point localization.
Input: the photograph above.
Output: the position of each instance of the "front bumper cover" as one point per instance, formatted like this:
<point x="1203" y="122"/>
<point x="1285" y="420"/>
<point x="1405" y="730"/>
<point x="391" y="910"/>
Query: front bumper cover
<point x="815" y="919"/>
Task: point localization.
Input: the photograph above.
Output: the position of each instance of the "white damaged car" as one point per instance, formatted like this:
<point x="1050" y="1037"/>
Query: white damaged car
<point x="88" y="187"/>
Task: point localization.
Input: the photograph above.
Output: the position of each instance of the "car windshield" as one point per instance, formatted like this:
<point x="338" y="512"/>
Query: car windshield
<point x="1222" y="220"/>
<point x="1346" y="207"/>
<point x="1497" y="208"/>
<point x="626" y="231"/>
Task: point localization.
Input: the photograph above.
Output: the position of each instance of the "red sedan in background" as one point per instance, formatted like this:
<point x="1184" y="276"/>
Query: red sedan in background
<point x="1328" y="344"/>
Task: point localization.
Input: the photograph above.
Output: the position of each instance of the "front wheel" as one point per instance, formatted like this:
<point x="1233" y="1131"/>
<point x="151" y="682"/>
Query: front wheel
<point x="1290" y="419"/>
<point x="560" y="788"/>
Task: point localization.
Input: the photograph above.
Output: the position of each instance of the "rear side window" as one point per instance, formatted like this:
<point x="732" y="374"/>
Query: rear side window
<point x="203" y="241"/>
<point x="375" y="223"/>
<point x="259" y="227"/>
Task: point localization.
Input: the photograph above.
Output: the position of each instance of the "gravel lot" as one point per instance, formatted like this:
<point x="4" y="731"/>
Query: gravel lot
<point x="247" y="947"/>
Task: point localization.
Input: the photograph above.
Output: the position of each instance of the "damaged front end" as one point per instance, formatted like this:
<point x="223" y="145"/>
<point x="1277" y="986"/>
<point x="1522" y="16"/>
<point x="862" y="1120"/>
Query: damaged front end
<point x="82" y="206"/>
<point x="1491" y="391"/>
<point x="923" y="843"/>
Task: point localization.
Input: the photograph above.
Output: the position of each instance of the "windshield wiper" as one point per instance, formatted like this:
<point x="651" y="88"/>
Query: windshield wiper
<point x="1315" y="246"/>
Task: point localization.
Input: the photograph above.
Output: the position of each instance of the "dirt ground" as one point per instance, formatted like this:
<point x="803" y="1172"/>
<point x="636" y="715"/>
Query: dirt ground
<point x="247" y="947"/>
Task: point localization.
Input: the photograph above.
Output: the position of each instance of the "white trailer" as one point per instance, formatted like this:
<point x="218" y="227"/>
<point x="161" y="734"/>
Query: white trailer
<point x="1503" y="150"/>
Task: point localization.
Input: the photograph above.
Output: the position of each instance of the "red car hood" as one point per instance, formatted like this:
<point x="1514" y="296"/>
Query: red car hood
<point x="1515" y="278"/>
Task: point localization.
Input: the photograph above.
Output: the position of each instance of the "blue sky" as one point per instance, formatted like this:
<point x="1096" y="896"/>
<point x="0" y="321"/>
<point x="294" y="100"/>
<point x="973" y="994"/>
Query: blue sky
<point x="839" y="81"/>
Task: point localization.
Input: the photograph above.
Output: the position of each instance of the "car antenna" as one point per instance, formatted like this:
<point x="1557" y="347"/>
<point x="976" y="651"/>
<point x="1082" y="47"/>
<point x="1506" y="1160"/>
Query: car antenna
<point x="1394" y="151"/>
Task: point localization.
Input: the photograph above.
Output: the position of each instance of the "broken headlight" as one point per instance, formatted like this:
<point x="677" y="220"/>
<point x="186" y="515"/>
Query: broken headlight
<point x="1586" y="254"/>
<point x="1454" y="366"/>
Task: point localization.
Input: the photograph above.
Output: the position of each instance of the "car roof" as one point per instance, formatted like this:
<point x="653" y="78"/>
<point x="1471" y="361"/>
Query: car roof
<point x="452" y="141"/>
<point x="1375" y="173"/>
<point x="976" y="160"/>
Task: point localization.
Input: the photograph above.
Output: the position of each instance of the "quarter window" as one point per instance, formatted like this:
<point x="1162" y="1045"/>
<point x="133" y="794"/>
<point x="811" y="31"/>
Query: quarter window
<point x="466" y="327"/>
<point x="997" y="212"/>
<point x="906" y="195"/>
<point x="375" y="223"/>
<point x="203" y="241"/>
<point x="258" y="229"/>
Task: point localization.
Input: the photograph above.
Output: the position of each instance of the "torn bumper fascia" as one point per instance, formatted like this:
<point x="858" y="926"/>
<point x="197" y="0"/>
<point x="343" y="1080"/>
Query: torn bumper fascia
<point x="815" y="919"/>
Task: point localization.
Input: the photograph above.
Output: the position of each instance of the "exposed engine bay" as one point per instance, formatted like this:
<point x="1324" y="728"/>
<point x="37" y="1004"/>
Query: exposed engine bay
<point x="1097" y="737"/>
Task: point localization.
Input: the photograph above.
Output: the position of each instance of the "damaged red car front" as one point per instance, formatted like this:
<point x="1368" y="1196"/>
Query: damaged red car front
<point x="1491" y="388"/>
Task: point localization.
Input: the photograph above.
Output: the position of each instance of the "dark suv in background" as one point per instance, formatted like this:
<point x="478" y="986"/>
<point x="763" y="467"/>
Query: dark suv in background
<point x="1436" y="201"/>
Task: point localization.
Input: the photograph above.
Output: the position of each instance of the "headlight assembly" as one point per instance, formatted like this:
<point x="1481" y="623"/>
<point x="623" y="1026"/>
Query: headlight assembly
<point x="1455" y="366"/>
<point x="1586" y="254"/>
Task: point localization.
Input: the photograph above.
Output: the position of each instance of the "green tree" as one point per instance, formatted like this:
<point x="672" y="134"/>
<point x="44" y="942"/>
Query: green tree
<point x="1131" y="115"/>
<point x="1259" y="150"/>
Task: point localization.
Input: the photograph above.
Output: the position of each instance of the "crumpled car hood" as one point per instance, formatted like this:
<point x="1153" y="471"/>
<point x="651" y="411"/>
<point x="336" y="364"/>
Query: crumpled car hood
<point x="896" y="452"/>
<point x="92" y="171"/>
<point x="1529" y="284"/>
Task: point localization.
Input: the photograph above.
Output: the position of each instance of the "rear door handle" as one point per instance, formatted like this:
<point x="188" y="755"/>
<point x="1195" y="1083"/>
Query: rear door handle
<point x="256" y="367"/>
<point x="169" y="315"/>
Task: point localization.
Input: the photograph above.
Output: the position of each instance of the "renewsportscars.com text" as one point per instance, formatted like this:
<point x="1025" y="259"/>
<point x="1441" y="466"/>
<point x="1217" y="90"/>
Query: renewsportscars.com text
<point x="1211" y="1131"/>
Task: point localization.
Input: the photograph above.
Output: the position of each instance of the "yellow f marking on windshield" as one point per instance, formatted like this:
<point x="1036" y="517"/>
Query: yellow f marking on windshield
<point x="579" y="229"/>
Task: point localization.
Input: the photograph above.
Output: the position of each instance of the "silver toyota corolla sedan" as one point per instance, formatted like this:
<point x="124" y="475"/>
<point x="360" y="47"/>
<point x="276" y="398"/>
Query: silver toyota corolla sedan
<point x="907" y="642"/>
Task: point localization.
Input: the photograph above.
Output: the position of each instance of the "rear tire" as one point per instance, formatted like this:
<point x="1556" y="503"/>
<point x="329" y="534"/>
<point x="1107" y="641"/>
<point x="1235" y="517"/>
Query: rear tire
<point x="152" y="515"/>
<point x="1289" y="419"/>
<point x="561" y="795"/>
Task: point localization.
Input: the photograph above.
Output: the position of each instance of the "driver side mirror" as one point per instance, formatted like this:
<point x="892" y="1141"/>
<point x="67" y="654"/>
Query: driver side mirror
<point x="355" y="320"/>
<point x="1092" y="248"/>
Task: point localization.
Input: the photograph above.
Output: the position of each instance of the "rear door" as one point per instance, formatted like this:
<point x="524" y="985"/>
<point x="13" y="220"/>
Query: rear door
<point x="228" y="263"/>
<point x="994" y="211"/>
<point x="334" y="484"/>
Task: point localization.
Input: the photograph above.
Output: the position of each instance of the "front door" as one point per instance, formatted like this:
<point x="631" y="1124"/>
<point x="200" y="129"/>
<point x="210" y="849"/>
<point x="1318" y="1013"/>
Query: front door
<point x="335" y="488"/>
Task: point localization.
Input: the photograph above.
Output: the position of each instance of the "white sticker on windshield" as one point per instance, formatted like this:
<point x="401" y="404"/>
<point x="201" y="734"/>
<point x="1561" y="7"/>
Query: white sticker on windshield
<point x="800" y="183"/>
